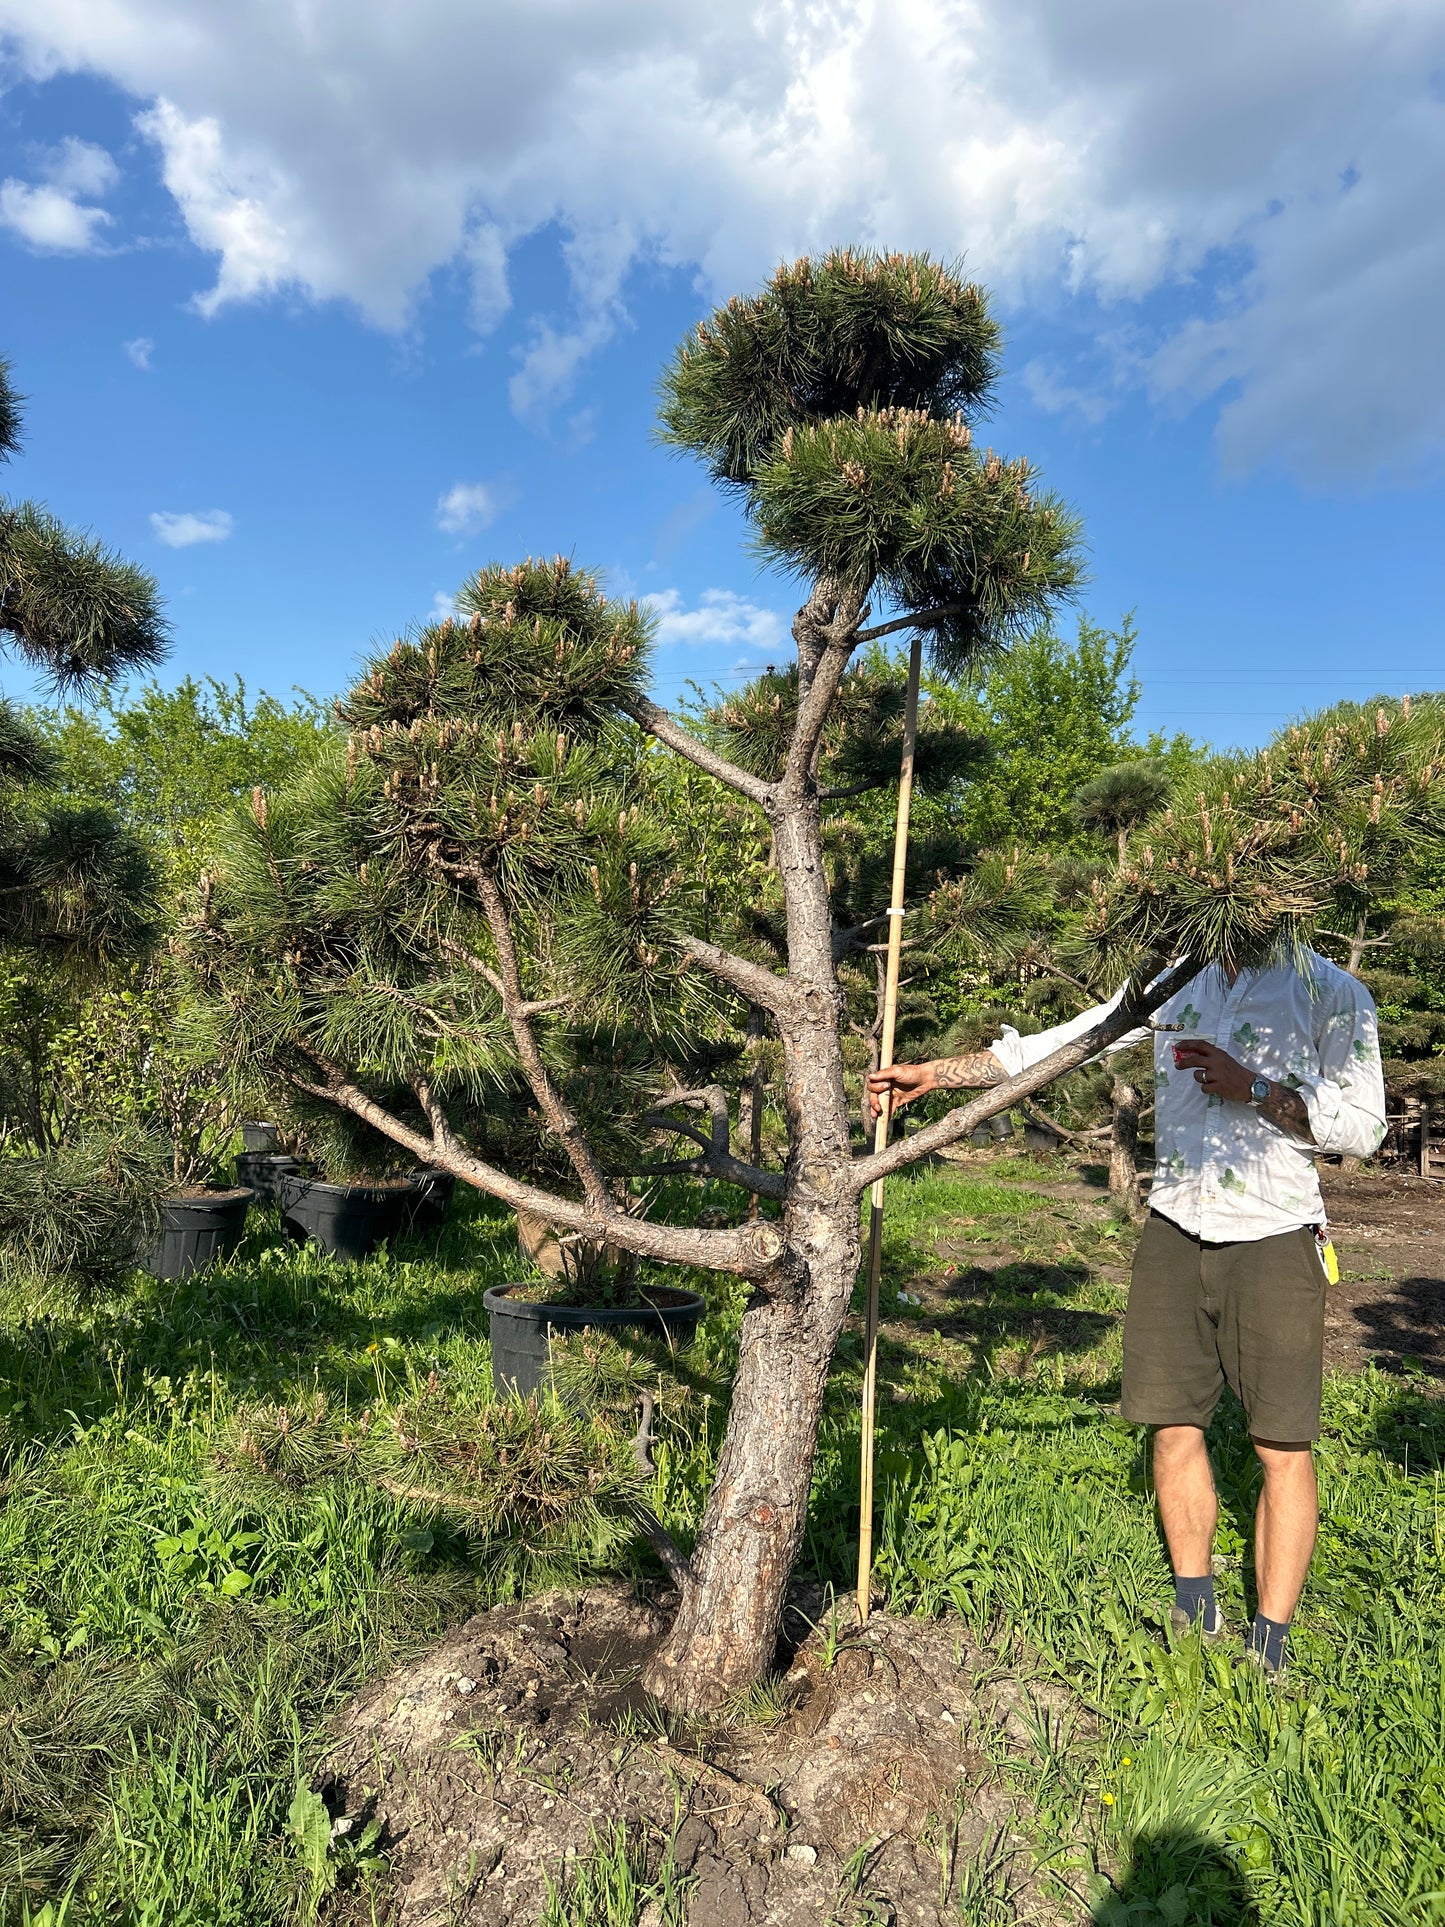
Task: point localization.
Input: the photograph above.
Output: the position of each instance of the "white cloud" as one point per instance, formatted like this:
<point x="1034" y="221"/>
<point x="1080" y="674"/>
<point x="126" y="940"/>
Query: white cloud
<point x="468" y="507"/>
<point x="140" y="351"/>
<point x="1096" y="154"/>
<point x="184" y="530"/>
<point x="443" y="606"/>
<point x="721" y="616"/>
<point x="50" y="215"/>
<point x="79" y="167"/>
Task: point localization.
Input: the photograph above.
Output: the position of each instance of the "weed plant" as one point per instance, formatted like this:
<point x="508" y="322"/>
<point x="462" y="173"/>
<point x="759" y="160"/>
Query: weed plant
<point x="173" y="1636"/>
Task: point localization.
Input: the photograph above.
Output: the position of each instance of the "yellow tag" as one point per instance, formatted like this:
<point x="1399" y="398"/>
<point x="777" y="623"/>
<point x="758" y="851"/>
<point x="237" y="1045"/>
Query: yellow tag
<point x="1330" y="1262"/>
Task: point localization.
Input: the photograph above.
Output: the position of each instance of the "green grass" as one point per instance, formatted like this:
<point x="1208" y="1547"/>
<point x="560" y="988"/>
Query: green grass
<point x="169" y="1648"/>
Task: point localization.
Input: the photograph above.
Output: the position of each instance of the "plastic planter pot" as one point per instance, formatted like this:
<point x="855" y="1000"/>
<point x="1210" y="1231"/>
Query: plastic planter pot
<point x="264" y="1170"/>
<point x="347" y="1220"/>
<point x="258" y="1137"/>
<point x="198" y="1231"/>
<point x="521" y="1330"/>
<point x="426" y="1208"/>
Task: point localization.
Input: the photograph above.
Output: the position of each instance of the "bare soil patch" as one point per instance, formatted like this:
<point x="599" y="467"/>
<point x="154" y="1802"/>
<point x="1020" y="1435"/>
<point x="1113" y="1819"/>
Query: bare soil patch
<point x="497" y="1759"/>
<point x="1389" y="1306"/>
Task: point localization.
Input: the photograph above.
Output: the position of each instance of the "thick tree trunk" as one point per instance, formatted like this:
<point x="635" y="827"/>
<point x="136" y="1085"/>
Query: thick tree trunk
<point x="750" y="1099"/>
<point x="1124" y="1147"/>
<point x="725" y="1633"/>
<point x="726" y="1629"/>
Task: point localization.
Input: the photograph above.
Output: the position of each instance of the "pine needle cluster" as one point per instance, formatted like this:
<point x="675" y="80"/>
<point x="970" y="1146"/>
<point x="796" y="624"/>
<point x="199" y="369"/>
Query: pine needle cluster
<point x="825" y="338"/>
<point x="840" y="403"/>
<point x="1271" y="845"/>
<point x="67" y="604"/>
<point x="83" y="1213"/>
<point x="862" y="739"/>
<point x="542" y="1494"/>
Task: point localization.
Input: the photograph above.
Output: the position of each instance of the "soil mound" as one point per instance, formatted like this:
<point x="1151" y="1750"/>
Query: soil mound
<point x="860" y="1789"/>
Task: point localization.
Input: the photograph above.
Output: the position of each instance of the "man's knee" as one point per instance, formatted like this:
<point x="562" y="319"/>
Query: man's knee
<point x="1175" y="1443"/>
<point x="1284" y="1458"/>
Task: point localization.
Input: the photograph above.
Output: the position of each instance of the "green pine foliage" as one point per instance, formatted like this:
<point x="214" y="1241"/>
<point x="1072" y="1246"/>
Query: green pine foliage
<point x="77" y="895"/>
<point x="67" y="604"/>
<point x="826" y="338"/>
<point x="1121" y="796"/>
<point x="839" y="404"/>
<point x="486" y="773"/>
<point x="542" y="1495"/>
<point x="1274" y="845"/>
<point x="83" y="1212"/>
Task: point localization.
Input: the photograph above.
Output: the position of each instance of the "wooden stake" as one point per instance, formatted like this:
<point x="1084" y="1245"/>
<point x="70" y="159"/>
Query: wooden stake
<point x="880" y="1131"/>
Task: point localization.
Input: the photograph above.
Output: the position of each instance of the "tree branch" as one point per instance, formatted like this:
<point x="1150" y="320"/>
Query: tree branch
<point x="559" y="1115"/>
<point x="679" y="1567"/>
<point x="863" y="788"/>
<point x="459" y="953"/>
<point x="752" y="1251"/>
<point x="924" y="619"/>
<point x="758" y="984"/>
<point x="1036" y="1115"/>
<point x="832" y="643"/>
<point x="717" y="1160"/>
<point x="667" y="730"/>
<point x="1137" y="1006"/>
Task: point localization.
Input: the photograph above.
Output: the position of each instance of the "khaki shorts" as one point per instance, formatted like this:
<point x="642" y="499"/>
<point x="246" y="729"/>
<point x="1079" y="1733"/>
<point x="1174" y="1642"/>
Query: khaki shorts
<point x="1250" y="1315"/>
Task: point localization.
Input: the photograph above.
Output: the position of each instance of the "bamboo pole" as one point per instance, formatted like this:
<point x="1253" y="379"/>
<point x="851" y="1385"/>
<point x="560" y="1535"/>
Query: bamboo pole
<point x="881" y="1128"/>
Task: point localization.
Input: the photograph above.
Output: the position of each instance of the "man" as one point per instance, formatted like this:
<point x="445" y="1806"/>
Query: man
<point x="1256" y="1074"/>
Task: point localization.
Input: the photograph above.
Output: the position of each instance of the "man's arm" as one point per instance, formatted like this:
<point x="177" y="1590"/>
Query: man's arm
<point x="1288" y="1110"/>
<point x="1005" y="1057"/>
<point x="973" y="1071"/>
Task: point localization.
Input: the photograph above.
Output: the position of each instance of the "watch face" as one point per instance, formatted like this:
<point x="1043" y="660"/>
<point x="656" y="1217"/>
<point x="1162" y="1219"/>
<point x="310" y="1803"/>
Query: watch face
<point x="1259" y="1089"/>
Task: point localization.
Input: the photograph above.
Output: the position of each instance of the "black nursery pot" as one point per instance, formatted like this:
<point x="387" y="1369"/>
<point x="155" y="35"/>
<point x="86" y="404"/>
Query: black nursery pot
<point x="520" y="1330"/>
<point x="426" y="1208"/>
<point x="199" y="1231"/>
<point x="258" y="1137"/>
<point x="264" y="1170"/>
<point x="347" y="1220"/>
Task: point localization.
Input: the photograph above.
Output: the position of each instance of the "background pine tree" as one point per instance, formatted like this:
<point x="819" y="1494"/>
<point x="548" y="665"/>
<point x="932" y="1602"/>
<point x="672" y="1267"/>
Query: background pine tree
<point x="77" y="890"/>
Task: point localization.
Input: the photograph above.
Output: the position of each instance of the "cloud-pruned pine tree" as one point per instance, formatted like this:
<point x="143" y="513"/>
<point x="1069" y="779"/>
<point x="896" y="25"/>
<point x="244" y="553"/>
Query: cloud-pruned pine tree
<point x="477" y="931"/>
<point x="77" y="890"/>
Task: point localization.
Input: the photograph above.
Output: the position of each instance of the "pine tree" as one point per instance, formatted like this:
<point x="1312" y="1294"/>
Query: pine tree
<point x="477" y="931"/>
<point x="77" y="890"/>
<point x="1119" y="798"/>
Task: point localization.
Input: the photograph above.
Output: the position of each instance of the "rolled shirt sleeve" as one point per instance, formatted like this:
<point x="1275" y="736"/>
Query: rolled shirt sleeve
<point x="1017" y="1053"/>
<point x="1345" y="1098"/>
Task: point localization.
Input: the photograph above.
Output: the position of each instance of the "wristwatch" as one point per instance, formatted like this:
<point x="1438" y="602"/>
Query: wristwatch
<point x="1259" y="1090"/>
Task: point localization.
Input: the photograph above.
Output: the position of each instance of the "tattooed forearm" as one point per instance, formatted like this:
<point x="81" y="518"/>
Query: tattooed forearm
<point x="1287" y="1109"/>
<point x="970" y="1072"/>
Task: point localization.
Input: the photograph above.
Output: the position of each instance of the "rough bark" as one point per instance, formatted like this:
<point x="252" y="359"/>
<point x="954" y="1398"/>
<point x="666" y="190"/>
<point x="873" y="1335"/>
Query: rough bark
<point x="1124" y="1147"/>
<point x="723" y="1637"/>
<point x="750" y="1100"/>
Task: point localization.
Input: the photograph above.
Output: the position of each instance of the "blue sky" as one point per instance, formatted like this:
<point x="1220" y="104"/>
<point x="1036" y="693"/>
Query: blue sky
<point x="352" y="358"/>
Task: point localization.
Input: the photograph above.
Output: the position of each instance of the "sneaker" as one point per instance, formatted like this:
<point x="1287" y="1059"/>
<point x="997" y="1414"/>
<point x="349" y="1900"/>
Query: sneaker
<point x="1181" y="1622"/>
<point x="1252" y="1656"/>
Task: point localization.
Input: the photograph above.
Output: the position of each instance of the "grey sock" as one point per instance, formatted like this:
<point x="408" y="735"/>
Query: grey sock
<point x="1196" y="1597"/>
<point x="1267" y="1638"/>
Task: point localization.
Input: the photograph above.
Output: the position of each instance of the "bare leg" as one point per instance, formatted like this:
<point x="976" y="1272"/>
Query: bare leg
<point x="1284" y="1526"/>
<point x="1188" y="1507"/>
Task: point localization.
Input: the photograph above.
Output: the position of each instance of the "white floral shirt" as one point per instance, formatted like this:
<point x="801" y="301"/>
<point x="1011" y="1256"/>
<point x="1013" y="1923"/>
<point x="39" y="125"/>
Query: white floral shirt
<point x="1222" y="1171"/>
